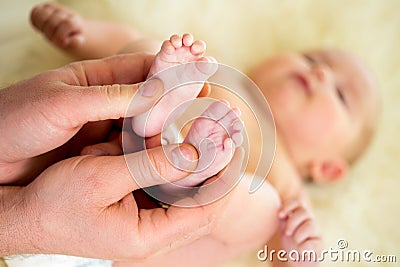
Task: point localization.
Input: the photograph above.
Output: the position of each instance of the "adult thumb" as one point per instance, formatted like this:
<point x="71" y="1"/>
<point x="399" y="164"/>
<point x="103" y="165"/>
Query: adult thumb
<point x="161" y="165"/>
<point x="119" y="175"/>
<point x="104" y="102"/>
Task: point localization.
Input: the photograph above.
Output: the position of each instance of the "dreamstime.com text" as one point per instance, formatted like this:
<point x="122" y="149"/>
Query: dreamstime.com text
<point x="339" y="254"/>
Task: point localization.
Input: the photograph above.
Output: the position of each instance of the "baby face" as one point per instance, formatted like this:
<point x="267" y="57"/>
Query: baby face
<point x="321" y="102"/>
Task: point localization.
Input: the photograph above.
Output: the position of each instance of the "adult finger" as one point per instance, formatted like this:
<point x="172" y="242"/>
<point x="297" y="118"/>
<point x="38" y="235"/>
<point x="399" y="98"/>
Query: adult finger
<point x="52" y="106"/>
<point x="107" y="88"/>
<point x="119" y="175"/>
<point x="120" y="69"/>
<point x="97" y="103"/>
<point x="36" y="122"/>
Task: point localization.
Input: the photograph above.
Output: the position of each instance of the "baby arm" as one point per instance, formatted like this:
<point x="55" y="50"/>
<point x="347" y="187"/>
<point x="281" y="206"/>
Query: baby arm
<point x="299" y="230"/>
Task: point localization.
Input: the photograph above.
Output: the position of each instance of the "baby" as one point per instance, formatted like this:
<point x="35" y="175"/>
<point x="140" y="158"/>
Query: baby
<point x="325" y="109"/>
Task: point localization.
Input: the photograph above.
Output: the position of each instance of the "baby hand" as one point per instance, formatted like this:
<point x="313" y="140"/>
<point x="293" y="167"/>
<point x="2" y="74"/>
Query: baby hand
<point x="300" y="232"/>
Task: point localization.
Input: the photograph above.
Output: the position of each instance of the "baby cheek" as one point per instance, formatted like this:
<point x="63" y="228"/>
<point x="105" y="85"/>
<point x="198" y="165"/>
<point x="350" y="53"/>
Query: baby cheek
<point x="317" y="129"/>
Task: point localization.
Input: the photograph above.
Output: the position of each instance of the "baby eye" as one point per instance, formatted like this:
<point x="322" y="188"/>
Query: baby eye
<point x="309" y="59"/>
<point x="341" y="96"/>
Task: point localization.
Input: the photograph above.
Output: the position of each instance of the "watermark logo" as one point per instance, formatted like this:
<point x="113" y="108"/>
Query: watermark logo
<point x="342" y="244"/>
<point x="340" y="253"/>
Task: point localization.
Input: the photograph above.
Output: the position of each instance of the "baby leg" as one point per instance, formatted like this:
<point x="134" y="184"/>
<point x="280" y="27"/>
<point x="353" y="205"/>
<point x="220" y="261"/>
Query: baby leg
<point x="86" y="39"/>
<point x="215" y="134"/>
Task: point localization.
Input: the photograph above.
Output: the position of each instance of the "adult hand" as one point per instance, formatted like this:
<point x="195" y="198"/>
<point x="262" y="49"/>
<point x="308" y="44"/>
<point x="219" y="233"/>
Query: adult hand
<point x="42" y="113"/>
<point x="83" y="205"/>
<point x="76" y="104"/>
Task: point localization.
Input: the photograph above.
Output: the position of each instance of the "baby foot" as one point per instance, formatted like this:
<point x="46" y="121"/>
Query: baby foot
<point x="59" y="24"/>
<point x="175" y="52"/>
<point x="215" y="135"/>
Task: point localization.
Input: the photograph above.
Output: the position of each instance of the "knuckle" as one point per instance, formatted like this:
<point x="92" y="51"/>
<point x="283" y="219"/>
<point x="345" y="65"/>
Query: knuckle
<point x="151" y="168"/>
<point x="94" y="184"/>
<point x="90" y="171"/>
<point x="77" y="73"/>
<point x="113" y="93"/>
<point x="156" y="169"/>
<point x="132" y="247"/>
<point x="160" y="167"/>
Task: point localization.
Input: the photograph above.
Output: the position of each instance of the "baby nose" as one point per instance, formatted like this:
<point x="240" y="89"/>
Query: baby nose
<point x="319" y="73"/>
<point x="322" y="75"/>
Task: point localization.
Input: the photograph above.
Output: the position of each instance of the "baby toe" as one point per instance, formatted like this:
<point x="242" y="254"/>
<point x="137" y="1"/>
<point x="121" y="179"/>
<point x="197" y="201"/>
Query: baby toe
<point x="226" y="102"/>
<point x="237" y="125"/>
<point x="51" y="25"/>
<point x="187" y="39"/>
<point x="167" y="47"/>
<point x="176" y="41"/>
<point x="198" y="47"/>
<point x="216" y="110"/>
<point x="76" y="40"/>
<point x="67" y="30"/>
<point x="228" y="144"/>
<point x="228" y="119"/>
<point x="237" y="111"/>
<point x="207" y="65"/>
<point x="40" y="14"/>
<point x="237" y="138"/>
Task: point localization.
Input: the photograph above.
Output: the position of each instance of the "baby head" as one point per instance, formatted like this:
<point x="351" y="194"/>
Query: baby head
<point x="325" y="106"/>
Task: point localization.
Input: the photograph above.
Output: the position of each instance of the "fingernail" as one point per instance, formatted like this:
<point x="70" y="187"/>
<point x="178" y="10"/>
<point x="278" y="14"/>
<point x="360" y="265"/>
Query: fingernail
<point x="182" y="157"/>
<point x="150" y="88"/>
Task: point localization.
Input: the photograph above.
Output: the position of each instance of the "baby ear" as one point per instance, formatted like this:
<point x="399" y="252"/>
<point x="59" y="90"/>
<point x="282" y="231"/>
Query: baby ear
<point x="328" y="170"/>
